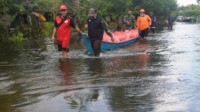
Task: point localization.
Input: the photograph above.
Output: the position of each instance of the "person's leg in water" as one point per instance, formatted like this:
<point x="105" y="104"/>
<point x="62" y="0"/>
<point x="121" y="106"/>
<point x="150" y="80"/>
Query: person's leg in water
<point x="152" y="29"/>
<point x="96" y="46"/>
<point x="92" y="45"/>
<point x="146" y="32"/>
<point x="61" y="49"/>
<point x="65" y="52"/>
<point x="141" y="33"/>
<point x="65" y="48"/>
<point x="170" y="27"/>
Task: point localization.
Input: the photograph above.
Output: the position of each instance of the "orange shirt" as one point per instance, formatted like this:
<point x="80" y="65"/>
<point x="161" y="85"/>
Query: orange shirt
<point x="143" y="22"/>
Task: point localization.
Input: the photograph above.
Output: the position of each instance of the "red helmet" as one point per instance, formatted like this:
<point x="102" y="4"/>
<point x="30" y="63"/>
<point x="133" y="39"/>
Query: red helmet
<point x="142" y="10"/>
<point x="63" y="7"/>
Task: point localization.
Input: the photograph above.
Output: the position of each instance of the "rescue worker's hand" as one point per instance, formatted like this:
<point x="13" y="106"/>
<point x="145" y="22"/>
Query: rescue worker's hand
<point x="111" y="36"/>
<point x="112" y="39"/>
<point x="82" y="33"/>
<point x="52" y="38"/>
<point x="128" y="23"/>
<point x="149" y="28"/>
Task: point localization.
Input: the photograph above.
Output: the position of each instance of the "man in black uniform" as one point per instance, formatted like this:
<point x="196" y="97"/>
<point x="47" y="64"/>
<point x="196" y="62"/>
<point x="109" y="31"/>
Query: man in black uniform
<point x="96" y="28"/>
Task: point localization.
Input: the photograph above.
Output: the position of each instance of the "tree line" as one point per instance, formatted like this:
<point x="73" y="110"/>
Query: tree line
<point x="18" y="13"/>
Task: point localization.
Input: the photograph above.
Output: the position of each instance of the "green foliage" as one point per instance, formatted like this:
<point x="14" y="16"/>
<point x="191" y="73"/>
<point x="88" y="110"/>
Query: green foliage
<point x="49" y="5"/>
<point x="17" y="37"/>
<point x="47" y="29"/>
<point x="79" y="8"/>
<point x="191" y="10"/>
<point x="161" y="8"/>
<point x="111" y="7"/>
<point x="118" y="8"/>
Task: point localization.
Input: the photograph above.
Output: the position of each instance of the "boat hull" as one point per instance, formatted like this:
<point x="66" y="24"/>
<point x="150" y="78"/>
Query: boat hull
<point x="106" y="46"/>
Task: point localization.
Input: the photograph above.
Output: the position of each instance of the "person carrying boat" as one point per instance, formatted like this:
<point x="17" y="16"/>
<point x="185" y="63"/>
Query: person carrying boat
<point x="96" y="27"/>
<point x="170" y="22"/>
<point x="129" y="21"/>
<point x="62" y="27"/>
<point x="153" y="22"/>
<point x="143" y="24"/>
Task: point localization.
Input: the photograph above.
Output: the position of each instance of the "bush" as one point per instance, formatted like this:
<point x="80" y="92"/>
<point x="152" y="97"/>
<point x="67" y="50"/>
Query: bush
<point x="47" y="29"/>
<point x="17" y="37"/>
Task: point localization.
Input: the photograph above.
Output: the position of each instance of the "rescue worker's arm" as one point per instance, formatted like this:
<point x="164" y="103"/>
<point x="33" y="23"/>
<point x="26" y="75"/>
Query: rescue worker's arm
<point x="149" y="19"/>
<point x="54" y="32"/>
<point x="105" y="26"/>
<point x="72" y="24"/>
<point x="78" y="29"/>
<point x="138" y="23"/>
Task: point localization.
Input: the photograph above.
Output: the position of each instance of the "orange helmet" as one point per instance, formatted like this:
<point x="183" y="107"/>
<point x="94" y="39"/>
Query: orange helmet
<point x="63" y="7"/>
<point x="142" y="10"/>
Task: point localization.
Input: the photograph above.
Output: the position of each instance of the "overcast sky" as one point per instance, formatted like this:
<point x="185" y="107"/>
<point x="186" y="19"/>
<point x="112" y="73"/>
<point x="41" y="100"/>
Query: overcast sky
<point x="186" y="2"/>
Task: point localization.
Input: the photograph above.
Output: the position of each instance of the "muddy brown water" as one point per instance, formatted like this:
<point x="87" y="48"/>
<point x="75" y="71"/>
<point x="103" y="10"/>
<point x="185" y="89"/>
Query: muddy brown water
<point x="158" y="74"/>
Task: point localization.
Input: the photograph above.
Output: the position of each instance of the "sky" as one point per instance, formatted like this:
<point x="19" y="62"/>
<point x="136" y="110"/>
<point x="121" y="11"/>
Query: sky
<point x="186" y="2"/>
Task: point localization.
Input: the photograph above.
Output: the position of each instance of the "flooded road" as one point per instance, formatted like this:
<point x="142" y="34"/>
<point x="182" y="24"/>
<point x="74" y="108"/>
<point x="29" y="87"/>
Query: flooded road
<point x="158" y="74"/>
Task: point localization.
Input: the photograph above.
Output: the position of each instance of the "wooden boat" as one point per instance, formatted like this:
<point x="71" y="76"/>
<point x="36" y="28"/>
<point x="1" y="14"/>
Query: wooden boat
<point x="120" y="39"/>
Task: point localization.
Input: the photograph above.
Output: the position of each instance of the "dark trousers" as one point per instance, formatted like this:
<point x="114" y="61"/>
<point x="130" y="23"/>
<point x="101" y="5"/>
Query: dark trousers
<point x="152" y="29"/>
<point x="96" y="46"/>
<point x="144" y="33"/>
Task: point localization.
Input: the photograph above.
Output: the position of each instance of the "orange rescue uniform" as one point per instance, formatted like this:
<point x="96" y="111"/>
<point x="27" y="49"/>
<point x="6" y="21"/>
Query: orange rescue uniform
<point x="143" y="22"/>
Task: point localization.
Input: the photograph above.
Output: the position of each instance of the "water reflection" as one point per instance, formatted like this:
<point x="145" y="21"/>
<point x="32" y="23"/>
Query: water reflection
<point x="157" y="74"/>
<point x="143" y="58"/>
<point x="138" y="62"/>
<point x="77" y="99"/>
<point x="132" y="72"/>
<point x="95" y="65"/>
<point x="66" y="68"/>
<point x="81" y="99"/>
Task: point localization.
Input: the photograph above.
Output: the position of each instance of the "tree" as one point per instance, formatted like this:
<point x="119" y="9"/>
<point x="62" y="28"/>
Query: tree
<point x="191" y="10"/>
<point x="114" y="9"/>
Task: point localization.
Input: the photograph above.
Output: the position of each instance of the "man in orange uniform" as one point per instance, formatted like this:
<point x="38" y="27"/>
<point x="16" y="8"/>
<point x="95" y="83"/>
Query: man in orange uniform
<point x="62" y="26"/>
<point x="143" y="23"/>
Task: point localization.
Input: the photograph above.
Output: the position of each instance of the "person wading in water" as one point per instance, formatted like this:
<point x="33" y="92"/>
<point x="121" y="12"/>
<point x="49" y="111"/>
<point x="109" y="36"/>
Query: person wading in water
<point x="96" y="27"/>
<point x="143" y="24"/>
<point x="62" y="26"/>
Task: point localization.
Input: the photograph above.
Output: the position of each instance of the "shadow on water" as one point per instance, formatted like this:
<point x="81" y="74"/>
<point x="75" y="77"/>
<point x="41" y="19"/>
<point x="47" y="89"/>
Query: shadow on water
<point x="157" y="74"/>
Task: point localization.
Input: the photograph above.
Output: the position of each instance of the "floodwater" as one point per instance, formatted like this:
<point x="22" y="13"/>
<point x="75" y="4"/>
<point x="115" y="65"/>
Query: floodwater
<point x="158" y="74"/>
